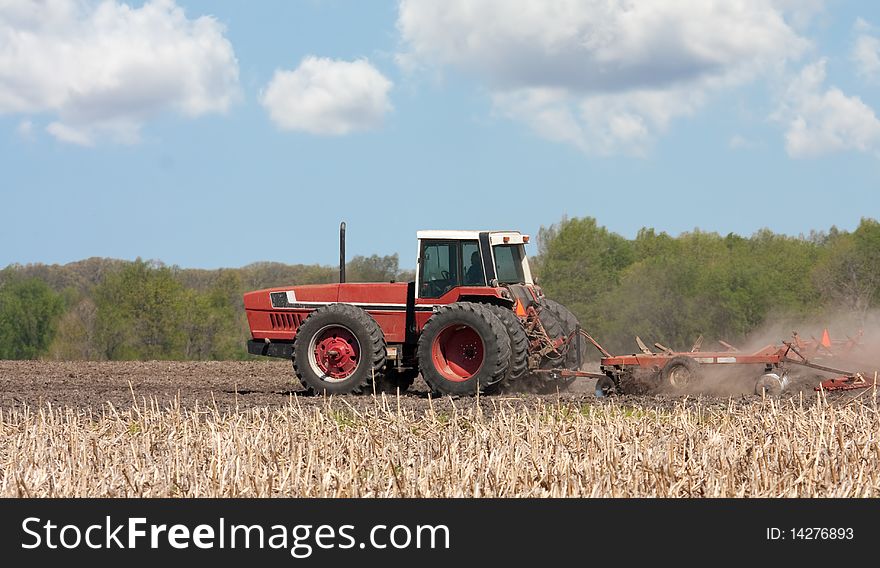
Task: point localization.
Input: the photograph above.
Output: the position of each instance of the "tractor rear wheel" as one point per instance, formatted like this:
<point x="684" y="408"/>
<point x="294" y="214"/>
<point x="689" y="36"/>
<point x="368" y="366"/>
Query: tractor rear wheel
<point x="338" y="349"/>
<point x="558" y="321"/>
<point x="568" y="324"/>
<point x="553" y="327"/>
<point x="681" y="373"/>
<point x="519" y="346"/>
<point x="464" y="349"/>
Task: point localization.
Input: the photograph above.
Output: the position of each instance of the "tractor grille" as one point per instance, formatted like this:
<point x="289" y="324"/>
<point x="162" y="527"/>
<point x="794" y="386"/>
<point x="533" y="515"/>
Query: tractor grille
<point x="284" y="320"/>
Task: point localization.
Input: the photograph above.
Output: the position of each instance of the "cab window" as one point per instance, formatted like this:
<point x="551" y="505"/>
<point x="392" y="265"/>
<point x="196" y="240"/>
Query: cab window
<point x="508" y="264"/>
<point x="440" y="268"/>
<point x="447" y="264"/>
<point x="473" y="272"/>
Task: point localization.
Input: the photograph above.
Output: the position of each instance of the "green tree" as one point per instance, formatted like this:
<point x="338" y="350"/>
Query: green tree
<point x="214" y="325"/>
<point x="272" y="274"/>
<point x="29" y="313"/>
<point x="373" y="268"/>
<point x="580" y="262"/>
<point x="662" y="297"/>
<point x="672" y="290"/>
<point x="140" y="312"/>
<point x="76" y="338"/>
<point x="848" y="275"/>
<point x="650" y="244"/>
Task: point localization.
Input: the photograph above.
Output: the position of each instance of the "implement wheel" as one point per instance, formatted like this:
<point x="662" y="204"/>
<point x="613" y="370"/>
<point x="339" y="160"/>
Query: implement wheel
<point x="771" y="384"/>
<point x="464" y="349"/>
<point x="680" y="373"/>
<point x="605" y="387"/>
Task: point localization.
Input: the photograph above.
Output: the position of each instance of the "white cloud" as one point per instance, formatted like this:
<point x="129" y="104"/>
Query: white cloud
<point x="740" y="142"/>
<point x="602" y="124"/>
<point x="800" y="12"/>
<point x="25" y="128"/>
<point x="64" y="133"/>
<point x="823" y="120"/>
<point x="866" y="51"/>
<point x="328" y="96"/>
<point x="604" y="75"/>
<point x="105" y="68"/>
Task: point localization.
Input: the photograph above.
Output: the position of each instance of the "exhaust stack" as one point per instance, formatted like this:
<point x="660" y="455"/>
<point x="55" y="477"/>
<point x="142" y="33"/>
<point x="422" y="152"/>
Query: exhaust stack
<point x="342" y="253"/>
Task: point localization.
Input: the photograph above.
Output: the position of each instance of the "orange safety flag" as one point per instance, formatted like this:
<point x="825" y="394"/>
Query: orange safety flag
<point x="826" y="339"/>
<point x="519" y="309"/>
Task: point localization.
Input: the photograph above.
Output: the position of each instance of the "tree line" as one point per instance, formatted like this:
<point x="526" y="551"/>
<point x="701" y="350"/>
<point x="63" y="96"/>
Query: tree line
<point x="663" y="288"/>
<point x="104" y="309"/>
<point x="674" y="289"/>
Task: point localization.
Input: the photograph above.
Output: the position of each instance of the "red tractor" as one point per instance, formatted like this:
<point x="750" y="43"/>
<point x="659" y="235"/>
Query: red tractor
<point x="472" y="321"/>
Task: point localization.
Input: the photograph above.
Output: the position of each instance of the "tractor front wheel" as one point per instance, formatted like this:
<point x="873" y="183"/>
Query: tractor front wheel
<point x="338" y="349"/>
<point x="464" y="349"/>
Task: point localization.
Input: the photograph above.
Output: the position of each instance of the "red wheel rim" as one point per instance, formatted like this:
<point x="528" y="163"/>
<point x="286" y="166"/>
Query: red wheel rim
<point x="457" y="353"/>
<point x="334" y="353"/>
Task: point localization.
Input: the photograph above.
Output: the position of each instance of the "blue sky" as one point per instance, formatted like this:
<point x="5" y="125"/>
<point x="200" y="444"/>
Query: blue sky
<point x="180" y="142"/>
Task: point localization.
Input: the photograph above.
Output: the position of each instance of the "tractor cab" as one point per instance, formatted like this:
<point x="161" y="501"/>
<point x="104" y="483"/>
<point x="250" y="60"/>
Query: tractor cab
<point x="451" y="259"/>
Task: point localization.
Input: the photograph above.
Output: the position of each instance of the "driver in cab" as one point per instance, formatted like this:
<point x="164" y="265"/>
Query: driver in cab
<point x="474" y="275"/>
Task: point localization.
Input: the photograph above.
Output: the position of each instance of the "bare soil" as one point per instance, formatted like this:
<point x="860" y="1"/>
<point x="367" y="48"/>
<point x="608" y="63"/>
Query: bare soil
<point x="231" y="385"/>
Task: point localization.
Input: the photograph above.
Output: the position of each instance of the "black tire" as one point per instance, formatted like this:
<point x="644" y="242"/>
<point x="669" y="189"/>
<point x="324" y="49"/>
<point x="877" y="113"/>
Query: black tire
<point x="558" y="321"/>
<point x="519" y="346"/>
<point x="470" y="345"/>
<point x="553" y="328"/>
<point x="352" y="326"/>
<point x="568" y="323"/>
<point x="394" y="380"/>
<point x="681" y="373"/>
<point x="605" y="387"/>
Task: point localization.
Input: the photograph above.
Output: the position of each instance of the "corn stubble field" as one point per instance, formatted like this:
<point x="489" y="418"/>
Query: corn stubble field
<point x="166" y="443"/>
<point x="565" y="445"/>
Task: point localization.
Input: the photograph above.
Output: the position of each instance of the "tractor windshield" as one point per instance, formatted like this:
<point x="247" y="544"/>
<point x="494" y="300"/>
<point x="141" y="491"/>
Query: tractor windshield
<point x="508" y="264"/>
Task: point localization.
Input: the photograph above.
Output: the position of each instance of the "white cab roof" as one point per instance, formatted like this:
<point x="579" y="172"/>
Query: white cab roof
<point x="495" y="236"/>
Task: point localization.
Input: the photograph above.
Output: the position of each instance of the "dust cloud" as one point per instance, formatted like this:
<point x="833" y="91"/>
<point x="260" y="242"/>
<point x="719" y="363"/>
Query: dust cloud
<point x="844" y="341"/>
